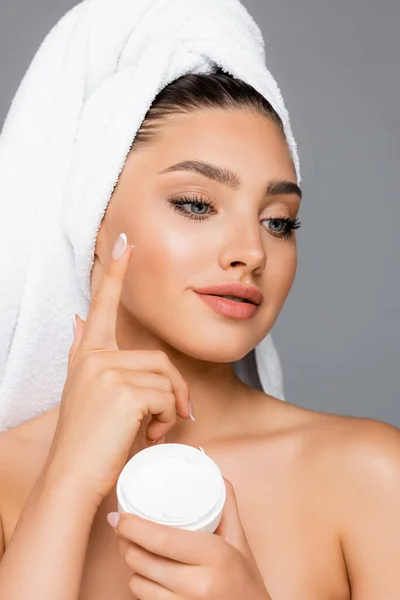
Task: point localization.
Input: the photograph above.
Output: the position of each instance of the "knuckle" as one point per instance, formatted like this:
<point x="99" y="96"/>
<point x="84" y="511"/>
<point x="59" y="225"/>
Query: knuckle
<point x="172" y="402"/>
<point x="206" y="586"/>
<point x="134" y="583"/>
<point x="130" y="554"/>
<point x="91" y="362"/>
<point x="162" y="358"/>
<point x="167" y="385"/>
<point x="109" y="377"/>
<point x="129" y="401"/>
<point x="127" y="393"/>
<point x="161" y="539"/>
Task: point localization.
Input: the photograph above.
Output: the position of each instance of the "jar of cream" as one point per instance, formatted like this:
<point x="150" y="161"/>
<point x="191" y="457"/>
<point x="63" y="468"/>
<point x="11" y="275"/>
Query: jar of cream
<point x="173" y="484"/>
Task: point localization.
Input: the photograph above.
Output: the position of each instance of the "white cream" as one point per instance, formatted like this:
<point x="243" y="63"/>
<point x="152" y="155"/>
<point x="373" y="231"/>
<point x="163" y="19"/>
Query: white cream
<point x="174" y="484"/>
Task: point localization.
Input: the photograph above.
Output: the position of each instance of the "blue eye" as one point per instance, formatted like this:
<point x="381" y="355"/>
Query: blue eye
<point x="288" y="226"/>
<point x="199" y="204"/>
<point x="196" y="201"/>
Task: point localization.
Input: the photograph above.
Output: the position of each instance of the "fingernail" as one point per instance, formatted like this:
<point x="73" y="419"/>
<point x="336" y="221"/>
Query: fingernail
<point x="113" y="518"/>
<point x="191" y="410"/>
<point x="160" y="440"/>
<point x="119" y="247"/>
<point x="74" y="324"/>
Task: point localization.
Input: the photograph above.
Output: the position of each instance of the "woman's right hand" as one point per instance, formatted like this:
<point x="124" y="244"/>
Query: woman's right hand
<point x="108" y="392"/>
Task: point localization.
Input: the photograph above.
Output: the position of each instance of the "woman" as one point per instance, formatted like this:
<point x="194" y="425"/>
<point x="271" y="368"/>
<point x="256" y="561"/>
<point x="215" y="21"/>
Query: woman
<point x="208" y="196"/>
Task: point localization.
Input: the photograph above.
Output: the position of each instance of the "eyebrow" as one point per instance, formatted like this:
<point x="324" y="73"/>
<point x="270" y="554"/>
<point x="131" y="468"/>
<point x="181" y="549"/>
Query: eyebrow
<point x="231" y="179"/>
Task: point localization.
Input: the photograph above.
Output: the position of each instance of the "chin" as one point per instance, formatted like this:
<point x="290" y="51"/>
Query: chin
<point x="202" y="338"/>
<point x="220" y="349"/>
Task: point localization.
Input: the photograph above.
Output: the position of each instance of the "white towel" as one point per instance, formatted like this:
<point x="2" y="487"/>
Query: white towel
<point x="62" y="148"/>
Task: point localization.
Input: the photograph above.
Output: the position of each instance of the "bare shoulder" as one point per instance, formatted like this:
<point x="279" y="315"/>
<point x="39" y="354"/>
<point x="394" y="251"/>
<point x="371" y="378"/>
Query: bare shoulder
<point x="365" y="457"/>
<point x="343" y="453"/>
<point x="362" y="458"/>
<point x="27" y="444"/>
<point x="356" y="440"/>
<point x="358" y="446"/>
<point x="23" y="453"/>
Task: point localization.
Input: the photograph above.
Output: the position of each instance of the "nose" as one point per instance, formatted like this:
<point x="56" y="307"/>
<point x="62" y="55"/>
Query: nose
<point x="244" y="247"/>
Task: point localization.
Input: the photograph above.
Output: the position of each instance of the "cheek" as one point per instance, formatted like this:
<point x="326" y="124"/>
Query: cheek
<point x="175" y="247"/>
<point x="281" y="269"/>
<point x="166" y="255"/>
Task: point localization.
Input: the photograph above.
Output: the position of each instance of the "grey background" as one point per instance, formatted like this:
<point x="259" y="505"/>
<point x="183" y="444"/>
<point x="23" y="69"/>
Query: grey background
<point x="337" y="66"/>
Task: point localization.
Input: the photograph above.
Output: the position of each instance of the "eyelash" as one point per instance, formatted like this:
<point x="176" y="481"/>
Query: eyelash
<point x="177" y="204"/>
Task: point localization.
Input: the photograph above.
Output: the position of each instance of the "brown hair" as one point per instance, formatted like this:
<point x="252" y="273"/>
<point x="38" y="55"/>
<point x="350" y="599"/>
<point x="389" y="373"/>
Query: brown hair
<point x="195" y="91"/>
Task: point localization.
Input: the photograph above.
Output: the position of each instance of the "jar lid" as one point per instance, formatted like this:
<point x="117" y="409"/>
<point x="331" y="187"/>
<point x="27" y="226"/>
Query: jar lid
<point x="171" y="483"/>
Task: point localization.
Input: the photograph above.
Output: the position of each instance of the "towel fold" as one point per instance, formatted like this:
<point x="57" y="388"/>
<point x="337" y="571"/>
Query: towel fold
<point x="63" y="145"/>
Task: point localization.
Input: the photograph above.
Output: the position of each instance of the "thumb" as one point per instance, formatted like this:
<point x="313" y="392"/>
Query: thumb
<point x="231" y="529"/>
<point x="230" y="526"/>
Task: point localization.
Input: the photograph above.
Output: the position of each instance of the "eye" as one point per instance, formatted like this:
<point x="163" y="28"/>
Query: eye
<point x="199" y="204"/>
<point x="279" y="223"/>
<point x="282" y="227"/>
<point x="279" y="227"/>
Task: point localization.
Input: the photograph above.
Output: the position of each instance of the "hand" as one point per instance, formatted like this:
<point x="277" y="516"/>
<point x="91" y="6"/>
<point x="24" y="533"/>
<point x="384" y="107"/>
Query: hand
<point x="108" y="392"/>
<point x="176" y="564"/>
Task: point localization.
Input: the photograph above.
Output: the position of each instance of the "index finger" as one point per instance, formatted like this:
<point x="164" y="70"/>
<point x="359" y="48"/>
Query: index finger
<point x="101" y="322"/>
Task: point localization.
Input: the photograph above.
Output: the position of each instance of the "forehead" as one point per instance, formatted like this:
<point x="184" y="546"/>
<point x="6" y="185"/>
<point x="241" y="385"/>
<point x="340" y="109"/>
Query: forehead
<point x="242" y="139"/>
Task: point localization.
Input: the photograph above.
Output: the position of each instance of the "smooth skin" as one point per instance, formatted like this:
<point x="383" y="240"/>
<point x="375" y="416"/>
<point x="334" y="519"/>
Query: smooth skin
<point x="316" y="495"/>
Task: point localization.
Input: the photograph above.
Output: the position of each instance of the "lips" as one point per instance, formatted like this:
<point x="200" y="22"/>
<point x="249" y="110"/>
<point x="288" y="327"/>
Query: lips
<point x="236" y="289"/>
<point x="229" y="308"/>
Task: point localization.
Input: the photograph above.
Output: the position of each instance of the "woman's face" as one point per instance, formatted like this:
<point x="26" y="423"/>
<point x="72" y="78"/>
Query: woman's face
<point x="181" y="248"/>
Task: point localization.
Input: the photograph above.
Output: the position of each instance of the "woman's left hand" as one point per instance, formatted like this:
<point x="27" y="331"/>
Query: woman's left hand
<point x="176" y="564"/>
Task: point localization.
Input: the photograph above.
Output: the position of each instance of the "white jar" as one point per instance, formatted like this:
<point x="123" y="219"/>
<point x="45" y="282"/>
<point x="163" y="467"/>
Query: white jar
<point x="173" y="484"/>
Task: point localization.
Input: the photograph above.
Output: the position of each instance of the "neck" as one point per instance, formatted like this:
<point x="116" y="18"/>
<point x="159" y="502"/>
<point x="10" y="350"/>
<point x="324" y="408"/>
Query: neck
<point x="224" y="406"/>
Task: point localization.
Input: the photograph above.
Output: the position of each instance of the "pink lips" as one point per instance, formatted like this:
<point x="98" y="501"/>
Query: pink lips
<point x="234" y="288"/>
<point x="229" y="308"/>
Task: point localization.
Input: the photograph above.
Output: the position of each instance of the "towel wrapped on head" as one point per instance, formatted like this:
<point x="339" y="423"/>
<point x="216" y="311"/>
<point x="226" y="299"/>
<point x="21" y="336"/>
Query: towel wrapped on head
<point x="62" y="148"/>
